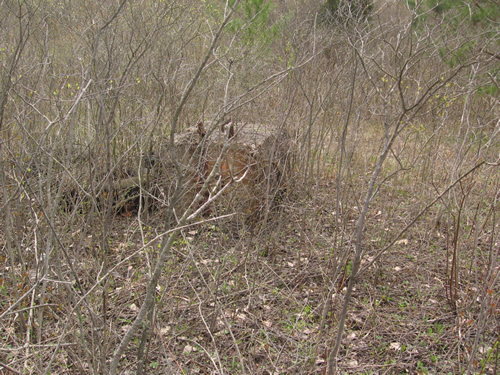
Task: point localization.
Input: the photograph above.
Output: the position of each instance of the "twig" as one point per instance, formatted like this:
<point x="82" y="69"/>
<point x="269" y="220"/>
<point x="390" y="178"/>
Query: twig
<point x="9" y="368"/>
<point x="423" y="211"/>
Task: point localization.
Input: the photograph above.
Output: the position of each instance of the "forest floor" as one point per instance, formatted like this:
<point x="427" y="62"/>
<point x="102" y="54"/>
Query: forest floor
<point x="230" y="296"/>
<point x="234" y="295"/>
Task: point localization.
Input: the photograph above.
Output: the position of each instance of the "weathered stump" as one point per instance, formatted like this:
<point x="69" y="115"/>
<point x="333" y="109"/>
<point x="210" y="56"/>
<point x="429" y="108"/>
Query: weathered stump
<point x="250" y="162"/>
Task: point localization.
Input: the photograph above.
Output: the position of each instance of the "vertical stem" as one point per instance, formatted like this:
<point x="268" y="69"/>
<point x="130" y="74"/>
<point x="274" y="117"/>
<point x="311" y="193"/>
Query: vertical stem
<point x="339" y="185"/>
<point x="149" y="299"/>
<point x="332" y="358"/>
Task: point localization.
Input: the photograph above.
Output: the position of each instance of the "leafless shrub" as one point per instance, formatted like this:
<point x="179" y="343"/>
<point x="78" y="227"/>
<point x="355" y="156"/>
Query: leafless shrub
<point x="376" y="166"/>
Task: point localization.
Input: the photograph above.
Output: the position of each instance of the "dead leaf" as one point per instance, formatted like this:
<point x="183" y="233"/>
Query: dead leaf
<point x="395" y="346"/>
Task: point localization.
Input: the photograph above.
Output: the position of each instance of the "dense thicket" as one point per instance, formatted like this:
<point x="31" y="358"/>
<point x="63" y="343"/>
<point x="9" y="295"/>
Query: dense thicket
<point x="372" y="237"/>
